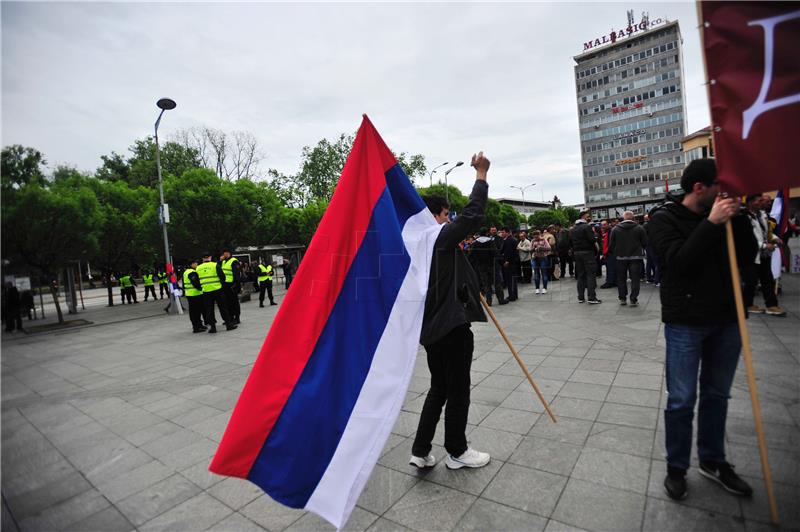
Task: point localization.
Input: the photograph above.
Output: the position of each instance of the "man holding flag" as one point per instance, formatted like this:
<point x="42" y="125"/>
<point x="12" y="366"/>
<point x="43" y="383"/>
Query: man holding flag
<point x="452" y="302"/>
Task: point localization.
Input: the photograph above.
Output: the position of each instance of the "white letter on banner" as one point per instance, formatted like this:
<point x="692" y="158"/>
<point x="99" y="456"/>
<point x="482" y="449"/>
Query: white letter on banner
<point x="761" y="105"/>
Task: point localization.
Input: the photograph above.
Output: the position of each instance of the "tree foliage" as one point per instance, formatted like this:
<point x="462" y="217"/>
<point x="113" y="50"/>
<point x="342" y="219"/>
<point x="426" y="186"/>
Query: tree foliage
<point x="548" y="217"/>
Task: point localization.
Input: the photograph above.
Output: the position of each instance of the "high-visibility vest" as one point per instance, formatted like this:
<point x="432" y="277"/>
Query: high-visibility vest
<point x="162" y="278"/>
<point x="188" y="287"/>
<point x="125" y="281"/>
<point x="209" y="280"/>
<point x="266" y="273"/>
<point x="227" y="269"/>
<point x="148" y="279"/>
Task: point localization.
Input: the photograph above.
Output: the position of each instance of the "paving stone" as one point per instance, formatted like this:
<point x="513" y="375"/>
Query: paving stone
<point x="576" y="408"/>
<point x="385" y="525"/>
<point x="553" y="361"/>
<point x="235" y="492"/>
<point x="644" y="382"/>
<point x="668" y="515"/>
<point x="594" y="507"/>
<point x="557" y="526"/>
<point x="568" y="430"/>
<point x="632" y="416"/>
<point x="592" y="377"/>
<point x="622" y="439"/>
<point x="236" y="522"/>
<point x="427" y="499"/>
<point x="156" y="499"/>
<point x="109" y="519"/>
<point x="271" y="515"/>
<point x="510" y="420"/>
<point x="599" y="364"/>
<point x="527" y="489"/>
<point x="616" y="470"/>
<point x="486" y="515"/>
<point x="199" y="475"/>
<point x="580" y="390"/>
<point x="359" y="520"/>
<point x="503" y="382"/>
<point x="634" y="396"/>
<point x="386" y="486"/>
<point x="523" y="400"/>
<point x="198" y="513"/>
<point x="488" y="396"/>
<point x="119" y="487"/>
<point x="40" y="497"/>
<point x="547" y="455"/>
<point x="66" y="513"/>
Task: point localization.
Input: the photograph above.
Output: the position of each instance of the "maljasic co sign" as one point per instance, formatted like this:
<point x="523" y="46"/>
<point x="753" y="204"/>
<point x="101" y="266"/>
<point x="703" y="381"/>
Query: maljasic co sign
<point x="632" y="28"/>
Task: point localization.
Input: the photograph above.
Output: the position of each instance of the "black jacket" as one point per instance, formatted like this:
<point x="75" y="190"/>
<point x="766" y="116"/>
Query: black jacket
<point x="627" y="240"/>
<point x="508" y="250"/>
<point x="453" y="297"/>
<point x="696" y="284"/>
<point x="582" y="237"/>
<point x="483" y="255"/>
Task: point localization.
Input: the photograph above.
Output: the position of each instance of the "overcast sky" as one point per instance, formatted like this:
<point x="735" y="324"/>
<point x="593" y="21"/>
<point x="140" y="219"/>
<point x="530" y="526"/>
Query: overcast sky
<point x="443" y="80"/>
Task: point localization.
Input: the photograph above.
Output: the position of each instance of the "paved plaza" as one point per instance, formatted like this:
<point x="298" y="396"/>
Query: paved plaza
<point x="111" y="427"/>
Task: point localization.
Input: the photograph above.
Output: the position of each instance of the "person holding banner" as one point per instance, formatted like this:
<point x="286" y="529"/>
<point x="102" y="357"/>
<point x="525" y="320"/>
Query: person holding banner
<point x="701" y="330"/>
<point x="452" y="303"/>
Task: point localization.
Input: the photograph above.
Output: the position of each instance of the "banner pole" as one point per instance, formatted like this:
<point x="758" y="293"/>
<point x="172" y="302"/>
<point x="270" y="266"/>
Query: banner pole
<point x="519" y="359"/>
<point x="747" y="355"/>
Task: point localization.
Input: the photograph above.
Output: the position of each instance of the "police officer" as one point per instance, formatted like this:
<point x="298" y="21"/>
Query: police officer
<point x="211" y="276"/>
<point x="162" y="285"/>
<point x="149" y="284"/>
<point x="265" y="283"/>
<point x="193" y="291"/>
<point x="128" y="285"/>
<point x="231" y="286"/>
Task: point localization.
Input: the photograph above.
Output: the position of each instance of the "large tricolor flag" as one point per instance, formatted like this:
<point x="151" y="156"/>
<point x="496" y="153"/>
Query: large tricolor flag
<point x="332" y="374"/>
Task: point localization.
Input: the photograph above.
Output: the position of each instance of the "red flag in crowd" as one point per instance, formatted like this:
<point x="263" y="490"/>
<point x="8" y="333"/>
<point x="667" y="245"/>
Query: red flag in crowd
<point x="752" y="52"/>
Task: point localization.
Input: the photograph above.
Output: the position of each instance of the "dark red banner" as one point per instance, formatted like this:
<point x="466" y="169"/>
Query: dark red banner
<point x="752" y="54"/>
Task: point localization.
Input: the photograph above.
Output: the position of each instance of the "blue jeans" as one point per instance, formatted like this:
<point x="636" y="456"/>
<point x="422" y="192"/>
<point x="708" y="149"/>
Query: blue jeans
<point x="541" y="271"/>
<point x="713" y="351"/>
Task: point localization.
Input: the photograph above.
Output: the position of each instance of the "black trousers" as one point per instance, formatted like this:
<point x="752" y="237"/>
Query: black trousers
<point x="148" y="289"/>
<point x="566" y="260"/>
<point x="232" y="297"/>
<point x="585" y="271"/>
<point x="130" y="294"/>
<point x="490" y="283"/>
<point x="195" y="311"/>
<point x="760" y="273"/>
<point x="13" y="319"/>
<point x="527" y="271"/>
<point x="209" y="298"/>
<point x="449" y="361"/>
<point x="629" y="269"/>
<point x="162" y="288"/>
<point x="265" y="286"/>
<point x="510" y="279"/>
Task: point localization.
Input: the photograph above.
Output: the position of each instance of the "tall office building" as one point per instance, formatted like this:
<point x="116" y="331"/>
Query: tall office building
<point x="631" y="111"/>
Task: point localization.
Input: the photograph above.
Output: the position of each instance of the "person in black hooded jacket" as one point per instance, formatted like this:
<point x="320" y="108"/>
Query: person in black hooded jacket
<point x="452" y="302"/>
<point x="700" y="323"/>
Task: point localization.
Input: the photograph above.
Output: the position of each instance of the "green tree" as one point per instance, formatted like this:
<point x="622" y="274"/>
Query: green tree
<point x="20" y="166"/>
<point x="413" y="165"/>
<point x="47" y="227"/>
<point x="571" y="214"/>
<point x="548" y="217"/>
<point x="140" y="168"/>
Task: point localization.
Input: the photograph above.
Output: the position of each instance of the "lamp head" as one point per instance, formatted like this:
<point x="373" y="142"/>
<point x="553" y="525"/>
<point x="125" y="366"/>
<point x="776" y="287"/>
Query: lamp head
<point x="166" y="104"/>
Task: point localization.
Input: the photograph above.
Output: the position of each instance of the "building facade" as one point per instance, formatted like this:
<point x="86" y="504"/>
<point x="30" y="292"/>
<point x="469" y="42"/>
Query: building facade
<point x="630" y="99"/>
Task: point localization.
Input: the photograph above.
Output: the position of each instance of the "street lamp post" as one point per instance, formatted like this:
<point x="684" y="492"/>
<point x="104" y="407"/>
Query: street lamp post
<point x="522" y="190"/>
<point x="165" y="104"/>
<point x="434" y="171"/>
<point x="446" y="191"/>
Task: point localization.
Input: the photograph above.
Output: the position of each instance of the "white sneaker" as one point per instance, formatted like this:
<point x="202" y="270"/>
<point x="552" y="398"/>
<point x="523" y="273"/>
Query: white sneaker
<point x="537" y="291"/>
<point x="470" y="458"/>
<point x="544" y="290"/>
<point x="422" y="463"/>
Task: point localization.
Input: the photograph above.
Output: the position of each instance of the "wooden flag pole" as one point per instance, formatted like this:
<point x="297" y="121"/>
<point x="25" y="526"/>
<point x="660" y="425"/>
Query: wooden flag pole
<point x="519" y="359"/>
<point x="737" y="292"/>
<point x="751" y="376"/>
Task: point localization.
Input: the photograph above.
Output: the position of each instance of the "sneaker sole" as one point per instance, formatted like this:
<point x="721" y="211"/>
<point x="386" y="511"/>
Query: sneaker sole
<point x="685" y="494"/>
<point x="777" y="314"/>
<point x="716" y="479"/>
<point x="452" y="464"/>
<point x="421" y="466"/>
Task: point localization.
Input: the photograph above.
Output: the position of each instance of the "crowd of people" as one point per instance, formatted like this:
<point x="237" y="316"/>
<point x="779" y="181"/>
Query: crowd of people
<point x="504" y="259"/>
